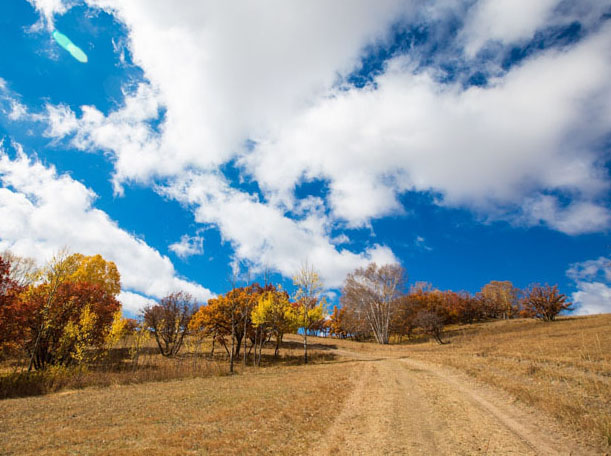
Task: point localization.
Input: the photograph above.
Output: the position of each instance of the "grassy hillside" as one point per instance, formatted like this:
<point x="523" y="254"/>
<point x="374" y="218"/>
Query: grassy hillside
<point x="562" y="368"/>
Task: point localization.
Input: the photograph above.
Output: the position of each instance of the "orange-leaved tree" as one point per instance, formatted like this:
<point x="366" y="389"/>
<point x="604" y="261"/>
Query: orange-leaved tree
<point x="72" y="302"/>
<point x="336" y="323"/>
<point x="227" y="314"/>
<point x="544" y="302"/>
<point x="14" y="312"/>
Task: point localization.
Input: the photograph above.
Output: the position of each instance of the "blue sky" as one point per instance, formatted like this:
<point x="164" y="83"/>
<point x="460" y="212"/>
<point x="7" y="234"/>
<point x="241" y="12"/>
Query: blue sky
<point x="469" y="141"/>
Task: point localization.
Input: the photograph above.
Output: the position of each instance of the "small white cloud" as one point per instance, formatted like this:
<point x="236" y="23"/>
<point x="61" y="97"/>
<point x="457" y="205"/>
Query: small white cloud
<point x="592" y="298"/>
<point x="593" y="280"/>
<point x="591" y="270"/>
<point x="577" y="218"/>
<point x="420" y="243"/>
<point x="505" y="21"/>
<point x="188" y="246"/>
<point x="48" y="9"/>
<point x="134" y="302"/>
<point x="18" y="111"/>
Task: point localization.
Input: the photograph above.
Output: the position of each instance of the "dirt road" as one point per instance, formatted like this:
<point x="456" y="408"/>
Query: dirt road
<point x="407" y="407"/>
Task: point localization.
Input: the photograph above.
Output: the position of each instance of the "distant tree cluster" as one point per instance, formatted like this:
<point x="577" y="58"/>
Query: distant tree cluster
<point x="255" y="314"/>
<point x="374" y="305"/>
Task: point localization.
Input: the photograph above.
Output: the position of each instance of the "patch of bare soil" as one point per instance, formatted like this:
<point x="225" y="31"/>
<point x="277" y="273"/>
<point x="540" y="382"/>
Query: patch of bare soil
<point x="407" y="407"/>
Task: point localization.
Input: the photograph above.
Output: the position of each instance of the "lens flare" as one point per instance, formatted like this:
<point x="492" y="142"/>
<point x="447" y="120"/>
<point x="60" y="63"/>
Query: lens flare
<point x="69" y="46"/>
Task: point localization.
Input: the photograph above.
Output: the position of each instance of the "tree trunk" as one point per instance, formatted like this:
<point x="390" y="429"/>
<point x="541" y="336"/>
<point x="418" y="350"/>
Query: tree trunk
<point x="305" y="346"/>
<point x="278" y="342"/>
<point x="244" y="339"/>
<point x="232" y="344"/>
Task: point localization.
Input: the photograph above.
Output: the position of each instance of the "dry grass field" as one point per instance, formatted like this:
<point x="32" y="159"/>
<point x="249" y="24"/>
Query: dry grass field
<point x="562" y="368"/>
<point x="275" y="411"/>
<point x="550" y="392"/>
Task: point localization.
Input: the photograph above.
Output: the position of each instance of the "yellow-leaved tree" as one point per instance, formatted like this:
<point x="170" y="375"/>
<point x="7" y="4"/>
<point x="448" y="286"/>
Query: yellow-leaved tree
<point x="275" y="313"/>
<point x="310" y="309"/>
<point x="73" y="302"/>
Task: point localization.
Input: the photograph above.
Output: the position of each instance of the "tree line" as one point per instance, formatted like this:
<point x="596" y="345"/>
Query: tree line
<point x="67" y="312"/>
<point x="374" y="304"/>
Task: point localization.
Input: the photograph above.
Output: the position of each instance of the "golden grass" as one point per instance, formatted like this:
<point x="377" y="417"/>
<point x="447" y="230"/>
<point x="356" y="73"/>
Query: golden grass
<point x="563" y="367"/>
<point x="278" y="410"/>
<point x="119" y="369"/>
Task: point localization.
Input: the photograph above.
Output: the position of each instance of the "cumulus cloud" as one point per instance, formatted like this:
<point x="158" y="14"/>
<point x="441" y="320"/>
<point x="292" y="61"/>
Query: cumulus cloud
<point x="516" y="21"/>
<point x="261" y="233"/>
<point x="230" y="86"/>
<point x="592" y="298"/>
<point x="48" y="9"/>
<point x="273" y="99"/>
<point x="505" y="21"/>
<point x="133" y="303"/>
<point x="591" y="269"/>
<point x="42" y="211"/>
<point x="490" y="149"/>
<point x="188" y="246"/>
<point x="593" y="281"/>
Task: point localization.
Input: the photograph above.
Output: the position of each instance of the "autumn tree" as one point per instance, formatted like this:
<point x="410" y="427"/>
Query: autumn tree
<point x="355" y="323"/>
<point x="79" y="317"/>
<point x="500" y="299"/>
<point x="22" y="269"/>
<point x="310" y="302"/>
<point x="431" y="323"/>
<point x="220" y="314"/>
<point x="275" y="312"/>
<point x="545" y="302"/>
<point x="14" y="312"/>
<point x="169" y="321"/>
<point x="374" y="291"/>
<point x="72" y="301"/>
<point x="336" y="323"/>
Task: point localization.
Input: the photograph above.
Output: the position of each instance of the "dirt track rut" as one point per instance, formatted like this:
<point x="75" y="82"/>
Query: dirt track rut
<point x="408" y="407"/>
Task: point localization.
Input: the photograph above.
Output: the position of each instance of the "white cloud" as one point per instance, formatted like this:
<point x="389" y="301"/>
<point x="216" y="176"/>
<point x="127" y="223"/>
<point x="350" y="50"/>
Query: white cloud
<point x="42" y="212"/>
<point x="505" y="21"/>
<point x="261" y="234"/>
<point x="134" y="302"/>
<point x="18" y="111"/>
<point x="517" y="21"/>
<point x="125" y="134"/>
<point x="225" y="74"/>
<point x="492" y="149"/>
<point x="592" y="298"/>
<point x="188" y="246"/>
<point x="420" y="242"/>
<point x="591" y="269"/>
<point x="576" y="218"/>
<point x="593" y="280"/>
<point x="48" y="9"/>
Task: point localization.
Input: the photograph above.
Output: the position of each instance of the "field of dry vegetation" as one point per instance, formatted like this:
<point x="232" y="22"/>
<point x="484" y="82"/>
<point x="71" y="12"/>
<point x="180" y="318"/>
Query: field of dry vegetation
<point x="562" y="369"/>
